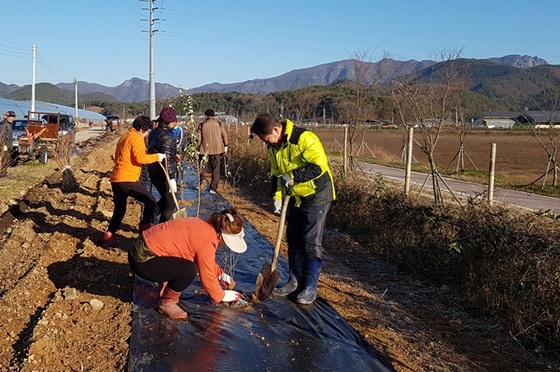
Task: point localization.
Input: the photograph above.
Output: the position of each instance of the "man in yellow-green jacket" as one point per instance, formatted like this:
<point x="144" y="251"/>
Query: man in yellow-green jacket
<point x="299" y="166"/>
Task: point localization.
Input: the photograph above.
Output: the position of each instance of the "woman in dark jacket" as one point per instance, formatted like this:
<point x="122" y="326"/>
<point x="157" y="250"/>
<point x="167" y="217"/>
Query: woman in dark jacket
<point x="160" y="140"/>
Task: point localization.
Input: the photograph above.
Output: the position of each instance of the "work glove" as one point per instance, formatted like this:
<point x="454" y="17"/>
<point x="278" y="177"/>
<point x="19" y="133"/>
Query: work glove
<point x="225" y="150"/>
<point x="287" y="181"/>
<point x="178" y="159"/>
<point x="161" y="157"/>
<point x="5" y="148"/>
<point x="173" y="185"/>
<point x="231" y="296"/>
<point x="277" y="206"/>
<point x="226" y="281"/>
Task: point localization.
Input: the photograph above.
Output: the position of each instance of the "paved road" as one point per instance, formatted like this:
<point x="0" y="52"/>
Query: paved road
<point x="518" y="198"/>
<point x="85" y="134"/>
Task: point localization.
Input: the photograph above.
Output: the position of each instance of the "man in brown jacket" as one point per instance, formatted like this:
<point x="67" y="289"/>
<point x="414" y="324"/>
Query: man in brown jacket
<point x="213" y="143"/>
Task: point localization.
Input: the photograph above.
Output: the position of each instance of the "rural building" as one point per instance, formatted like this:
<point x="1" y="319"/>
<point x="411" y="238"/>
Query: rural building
<point x="497" y="120"/>
<point x="509" y="119"/>
<point x="539" y="118"/>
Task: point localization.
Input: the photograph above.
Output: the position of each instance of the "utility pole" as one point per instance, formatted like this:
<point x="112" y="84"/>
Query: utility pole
<point x="33" y="66"/>
<point x="152" y="9"/>
<point x="76" y="98"/>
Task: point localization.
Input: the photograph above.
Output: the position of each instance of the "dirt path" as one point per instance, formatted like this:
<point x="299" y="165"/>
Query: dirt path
<point x="66" y="301"/>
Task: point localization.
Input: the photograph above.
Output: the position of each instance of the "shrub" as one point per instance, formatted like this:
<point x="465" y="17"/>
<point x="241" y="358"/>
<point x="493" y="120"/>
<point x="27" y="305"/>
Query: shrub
<point x="502" y="263"/>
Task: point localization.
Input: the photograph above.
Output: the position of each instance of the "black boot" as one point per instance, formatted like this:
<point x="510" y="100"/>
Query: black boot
<point x="309" y="292"/>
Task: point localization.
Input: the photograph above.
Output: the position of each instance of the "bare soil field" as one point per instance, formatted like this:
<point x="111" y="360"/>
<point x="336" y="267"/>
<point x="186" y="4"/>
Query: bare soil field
<point x="66" y="301"/>
<point x="519" y="156"/>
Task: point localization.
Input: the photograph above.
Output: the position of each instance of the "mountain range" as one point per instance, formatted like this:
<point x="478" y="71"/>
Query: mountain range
<point x="483" y="74"/>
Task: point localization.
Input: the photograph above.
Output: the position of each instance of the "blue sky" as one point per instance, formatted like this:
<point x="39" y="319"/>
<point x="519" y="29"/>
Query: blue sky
<point x="200" y="42"/>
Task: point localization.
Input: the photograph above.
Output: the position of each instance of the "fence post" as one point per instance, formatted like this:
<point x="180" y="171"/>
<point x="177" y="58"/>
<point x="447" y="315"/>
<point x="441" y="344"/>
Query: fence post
<point x="345" y="149"/>
<point x="408" y="161"/>
<point x="491" y="174"/>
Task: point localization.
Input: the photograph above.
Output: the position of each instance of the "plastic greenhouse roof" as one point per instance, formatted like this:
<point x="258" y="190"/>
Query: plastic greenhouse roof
<point x="22" y="107"/>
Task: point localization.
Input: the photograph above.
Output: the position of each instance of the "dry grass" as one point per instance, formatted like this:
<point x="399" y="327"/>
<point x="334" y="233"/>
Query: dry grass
<point x="502" y="264"/>
<point x="20" y="179"/>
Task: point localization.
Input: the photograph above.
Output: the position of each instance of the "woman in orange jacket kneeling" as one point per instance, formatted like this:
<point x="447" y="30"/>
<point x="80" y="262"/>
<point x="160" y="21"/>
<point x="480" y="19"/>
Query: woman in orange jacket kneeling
<point x="171" y="253"/>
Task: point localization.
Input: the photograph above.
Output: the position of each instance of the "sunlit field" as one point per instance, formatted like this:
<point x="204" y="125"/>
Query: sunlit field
<point x="519" y="155"/>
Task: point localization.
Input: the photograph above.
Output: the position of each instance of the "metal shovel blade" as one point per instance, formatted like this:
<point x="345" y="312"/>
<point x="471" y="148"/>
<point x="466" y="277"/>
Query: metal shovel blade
<point x="268" y="277"/>
<point x="181" y="213"/>
<point x="266" y="282"/>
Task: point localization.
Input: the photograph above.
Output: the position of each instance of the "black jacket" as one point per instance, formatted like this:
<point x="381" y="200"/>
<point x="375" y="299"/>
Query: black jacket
<point x="161" y="141"/>
<point x="6" y="132"/>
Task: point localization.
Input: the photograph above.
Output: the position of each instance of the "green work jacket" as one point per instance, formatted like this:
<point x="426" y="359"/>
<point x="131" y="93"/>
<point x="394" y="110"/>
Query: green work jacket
<point x="302" y="156"/>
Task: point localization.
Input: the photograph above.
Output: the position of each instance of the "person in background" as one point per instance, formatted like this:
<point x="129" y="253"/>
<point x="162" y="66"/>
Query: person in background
<point x="160" y="140"/>
<point x="6" y="140"/>
<point x="299" y="167"/>
<point x="145" y="176"/>
<point x="178" y="135"/>
<point x="213" y="143"/>
<point x="171" y="254"/>
<point x="130" y="154"/>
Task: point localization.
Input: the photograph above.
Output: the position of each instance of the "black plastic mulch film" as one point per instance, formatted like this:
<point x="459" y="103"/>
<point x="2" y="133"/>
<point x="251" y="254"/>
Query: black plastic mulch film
<point x="273" y="335"/>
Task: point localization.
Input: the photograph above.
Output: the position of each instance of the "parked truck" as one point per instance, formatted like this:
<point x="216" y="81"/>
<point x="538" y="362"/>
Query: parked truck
<point x="45" y="131"/>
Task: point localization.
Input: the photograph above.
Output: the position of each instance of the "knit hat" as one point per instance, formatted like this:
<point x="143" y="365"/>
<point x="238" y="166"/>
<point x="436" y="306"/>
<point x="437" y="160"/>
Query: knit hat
<point x="168" y="115"/>
<point x="11" y="113"/>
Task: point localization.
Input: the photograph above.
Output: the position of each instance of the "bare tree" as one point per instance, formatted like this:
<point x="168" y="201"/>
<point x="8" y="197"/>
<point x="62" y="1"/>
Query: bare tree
<point x="61" y="153"/>
<point x="364" y="106"/>
<point x="430" y="104"/>
<point x="462" y="126"/>
<point x="542" y="125"/>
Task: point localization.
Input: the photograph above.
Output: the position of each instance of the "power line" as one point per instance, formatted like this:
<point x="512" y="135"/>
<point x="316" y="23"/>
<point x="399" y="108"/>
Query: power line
<point x="49" y="70"/>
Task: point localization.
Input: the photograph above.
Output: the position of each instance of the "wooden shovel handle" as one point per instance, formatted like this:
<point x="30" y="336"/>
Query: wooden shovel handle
<point x="169" y="183"/>
<point x="279" y="234"/>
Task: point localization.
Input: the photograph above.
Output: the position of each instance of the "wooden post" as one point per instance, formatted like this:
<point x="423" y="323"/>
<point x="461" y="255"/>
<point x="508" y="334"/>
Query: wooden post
<point x="408" y="161"/>
<point x="491" y="174"/>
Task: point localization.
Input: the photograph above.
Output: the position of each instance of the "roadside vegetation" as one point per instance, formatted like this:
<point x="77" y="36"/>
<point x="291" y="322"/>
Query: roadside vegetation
<point x="501" y="264"/>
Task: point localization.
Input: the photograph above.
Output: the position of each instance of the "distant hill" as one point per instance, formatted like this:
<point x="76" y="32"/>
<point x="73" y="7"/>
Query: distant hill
<point x="7" y="89"/>
<point x="133" y="90"/>
<point x="329" y="73"/>
<point x="47" y="92"/>
<point x="325" y="74"/>
<point x="493" y="77"/>
<point x="500" y="79"/>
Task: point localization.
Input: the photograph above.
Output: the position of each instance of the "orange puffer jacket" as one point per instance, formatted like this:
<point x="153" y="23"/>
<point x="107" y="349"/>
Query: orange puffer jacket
<point x="130" y="155"/>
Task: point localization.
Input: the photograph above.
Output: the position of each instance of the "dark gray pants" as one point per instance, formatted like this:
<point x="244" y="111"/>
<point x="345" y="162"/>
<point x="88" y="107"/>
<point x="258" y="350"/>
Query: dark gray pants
<point x="305" y="227"/>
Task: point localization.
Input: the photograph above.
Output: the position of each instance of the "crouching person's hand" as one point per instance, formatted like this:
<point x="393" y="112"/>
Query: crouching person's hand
<point x="231" y="296"/>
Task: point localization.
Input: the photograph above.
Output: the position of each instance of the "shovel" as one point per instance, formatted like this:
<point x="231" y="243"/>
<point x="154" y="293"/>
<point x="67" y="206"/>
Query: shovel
<point x="268" y="277"/>
<point x="181" y="213"/>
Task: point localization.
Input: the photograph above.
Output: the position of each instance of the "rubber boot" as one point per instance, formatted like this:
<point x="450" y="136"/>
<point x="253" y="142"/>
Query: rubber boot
<point x="108" y="239"/>
<point x="288" y="287"/>
<point x="168" y="304"/>
<point x="144" y="226"/>
<point x="309" y="293"/>
<point x="295" y="283"/>
<point x="161" y="289"/>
